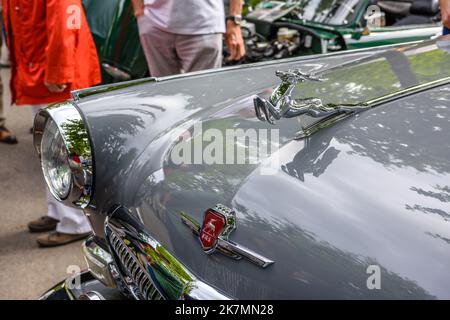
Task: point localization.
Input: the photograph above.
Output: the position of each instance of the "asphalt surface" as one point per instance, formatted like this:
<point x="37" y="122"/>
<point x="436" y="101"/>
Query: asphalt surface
<point x="26" y="271"/>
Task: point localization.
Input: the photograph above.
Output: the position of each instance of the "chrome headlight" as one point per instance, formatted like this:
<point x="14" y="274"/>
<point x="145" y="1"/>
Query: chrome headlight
<point x="62" y="142"/>
<point x="54" y="159"/>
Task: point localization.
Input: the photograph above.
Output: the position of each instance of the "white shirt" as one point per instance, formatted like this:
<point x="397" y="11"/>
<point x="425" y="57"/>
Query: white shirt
<point x="187" y="17"/>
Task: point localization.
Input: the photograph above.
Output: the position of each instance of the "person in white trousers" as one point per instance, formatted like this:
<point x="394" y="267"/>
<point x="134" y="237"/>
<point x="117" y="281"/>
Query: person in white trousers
<point x="185" y="38"/>
<point x="71" y="224"/>
<point x="5" y="135"/>
<point x="52" y="53"/>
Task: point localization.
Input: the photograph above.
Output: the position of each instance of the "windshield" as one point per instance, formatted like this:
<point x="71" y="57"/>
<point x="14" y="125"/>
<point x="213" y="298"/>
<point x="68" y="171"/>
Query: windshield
<point x="333" y="12"/>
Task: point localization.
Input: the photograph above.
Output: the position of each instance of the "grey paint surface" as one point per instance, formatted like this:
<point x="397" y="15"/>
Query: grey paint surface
<point x="373" y="189"/>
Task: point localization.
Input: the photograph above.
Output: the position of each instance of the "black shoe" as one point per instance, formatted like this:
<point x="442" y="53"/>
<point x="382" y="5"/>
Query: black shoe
<point x="5" y="63"/>
<point x="7" y="137"/>
<point x="43" y="224"/>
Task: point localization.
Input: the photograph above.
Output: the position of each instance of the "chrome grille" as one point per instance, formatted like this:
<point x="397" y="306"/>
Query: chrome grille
<point x="139" y="276"/>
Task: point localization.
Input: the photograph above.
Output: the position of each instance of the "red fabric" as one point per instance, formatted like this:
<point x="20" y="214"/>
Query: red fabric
<point x="48" y="45"/>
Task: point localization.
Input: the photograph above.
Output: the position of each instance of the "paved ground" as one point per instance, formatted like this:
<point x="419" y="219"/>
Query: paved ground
<point x="26" y="271"/>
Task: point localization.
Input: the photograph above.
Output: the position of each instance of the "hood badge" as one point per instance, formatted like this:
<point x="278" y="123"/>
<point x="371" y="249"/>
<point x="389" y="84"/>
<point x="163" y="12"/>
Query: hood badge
<point x="213" y="233"/>
<point x="281" y="104"/>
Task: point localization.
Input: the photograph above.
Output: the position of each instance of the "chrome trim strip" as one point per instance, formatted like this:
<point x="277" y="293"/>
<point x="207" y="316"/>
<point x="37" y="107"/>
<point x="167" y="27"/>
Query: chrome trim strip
<point x="241" y="251"/>
<point x="83" y="93"/>
<point x="78" y="147"/>
<point x="408" y="91"/>
<point x="381" y="34"/>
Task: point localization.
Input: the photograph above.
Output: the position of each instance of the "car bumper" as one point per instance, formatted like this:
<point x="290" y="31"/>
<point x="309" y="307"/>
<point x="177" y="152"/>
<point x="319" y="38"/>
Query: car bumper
<point x="96" y="283"/>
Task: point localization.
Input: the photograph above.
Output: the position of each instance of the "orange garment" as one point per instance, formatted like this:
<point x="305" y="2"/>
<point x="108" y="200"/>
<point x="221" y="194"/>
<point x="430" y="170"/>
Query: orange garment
<point x="49" y="41"/>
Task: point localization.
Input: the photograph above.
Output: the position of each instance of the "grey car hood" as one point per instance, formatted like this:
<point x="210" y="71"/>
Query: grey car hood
<point x="372" y="190"/>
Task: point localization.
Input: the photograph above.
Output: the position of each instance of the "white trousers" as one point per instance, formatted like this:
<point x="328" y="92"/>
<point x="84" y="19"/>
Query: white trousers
<point x="71" y="220"/>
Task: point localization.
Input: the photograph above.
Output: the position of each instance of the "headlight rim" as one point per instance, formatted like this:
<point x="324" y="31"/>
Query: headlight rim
<point x="77" y="143"/>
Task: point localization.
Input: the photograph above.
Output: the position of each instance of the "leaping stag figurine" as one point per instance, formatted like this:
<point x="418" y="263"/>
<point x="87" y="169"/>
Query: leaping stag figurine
<point x="282" y="105"/>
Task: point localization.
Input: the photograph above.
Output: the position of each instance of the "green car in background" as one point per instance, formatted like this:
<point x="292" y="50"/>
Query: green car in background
<point x="274" y="29"/>
<point x="279" y="29"/>
<point x="116" y="36"/>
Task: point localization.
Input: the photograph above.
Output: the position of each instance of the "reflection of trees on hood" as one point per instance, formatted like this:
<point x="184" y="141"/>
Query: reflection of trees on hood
<point x="438" y="236"/>
<point x="410" y="132"/>
<point x="440" y="193"/>
<point x="401" y="133"/>
<point x="378" y="76"/>
<point x="223" y="179"/>
<point x="435" y="193"/>
<point x="115" y="131"/>
<point x="318" y="269"/>
<point x="111" y="134"/>
<point x="401" y="67"/>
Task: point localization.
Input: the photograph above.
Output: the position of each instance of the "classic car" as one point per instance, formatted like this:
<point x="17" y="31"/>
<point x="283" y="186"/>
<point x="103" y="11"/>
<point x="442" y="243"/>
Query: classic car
<point x="285" y="28"/>
<point x="342" y="189"/>
<point x="100" y="24"/>
<point x="281" y="29"/>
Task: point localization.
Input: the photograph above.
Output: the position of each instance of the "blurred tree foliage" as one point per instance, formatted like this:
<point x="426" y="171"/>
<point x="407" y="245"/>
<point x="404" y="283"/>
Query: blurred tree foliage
<point x="77" y="137"/>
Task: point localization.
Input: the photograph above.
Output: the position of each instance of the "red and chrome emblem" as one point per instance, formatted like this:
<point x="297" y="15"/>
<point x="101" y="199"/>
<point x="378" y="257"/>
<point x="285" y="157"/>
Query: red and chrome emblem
<point x="213" y="226"/>
<point x="218" y="224"/>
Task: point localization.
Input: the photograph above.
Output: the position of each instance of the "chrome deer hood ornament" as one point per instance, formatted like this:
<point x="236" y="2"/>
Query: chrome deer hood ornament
<point x="281" y="104"/>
